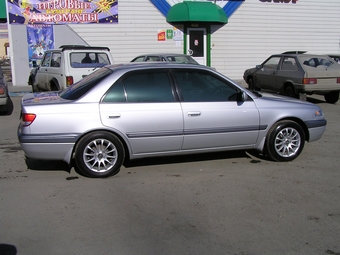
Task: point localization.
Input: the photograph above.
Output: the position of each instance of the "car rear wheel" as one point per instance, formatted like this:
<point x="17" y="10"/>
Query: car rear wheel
<point x="285" y="141"/>
<point x="332" y="97"/>
<point x="99" y="155"/>
<point x="290" y="92"/>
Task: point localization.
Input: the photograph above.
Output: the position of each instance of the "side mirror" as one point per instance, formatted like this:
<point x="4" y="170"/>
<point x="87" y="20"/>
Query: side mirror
<point x="258" y="66"/>
<point x="242" y="96"/>
<point x="34" y="63"/>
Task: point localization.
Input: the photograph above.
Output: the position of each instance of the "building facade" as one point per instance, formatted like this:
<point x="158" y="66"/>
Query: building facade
<point x="230" y="36"/>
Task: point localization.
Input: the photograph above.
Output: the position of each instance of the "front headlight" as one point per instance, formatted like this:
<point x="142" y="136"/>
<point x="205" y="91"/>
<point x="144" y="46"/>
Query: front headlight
<point x="318" y="113"/>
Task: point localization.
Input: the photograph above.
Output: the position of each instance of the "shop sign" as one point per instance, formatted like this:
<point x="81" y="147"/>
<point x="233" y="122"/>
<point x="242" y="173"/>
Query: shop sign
<point x="279" y="1"/>
<point x="62" y="11"/>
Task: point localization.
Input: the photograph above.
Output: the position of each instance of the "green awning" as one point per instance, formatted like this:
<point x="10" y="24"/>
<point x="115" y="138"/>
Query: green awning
<point x="195" y="11"/>
<point x="3" y="14"/>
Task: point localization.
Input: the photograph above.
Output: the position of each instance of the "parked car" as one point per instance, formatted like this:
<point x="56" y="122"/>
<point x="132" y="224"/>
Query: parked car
<point x="166" y="57"/>
<point x="6" y="104"/>
<point x="66" y="65"/>
<point x="293" y="73"/>
<point x="141" y="110"/>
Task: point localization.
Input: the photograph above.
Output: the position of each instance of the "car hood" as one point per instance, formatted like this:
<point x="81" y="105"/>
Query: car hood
<point x="41" y="98"/>
<point x="280" y="98"/>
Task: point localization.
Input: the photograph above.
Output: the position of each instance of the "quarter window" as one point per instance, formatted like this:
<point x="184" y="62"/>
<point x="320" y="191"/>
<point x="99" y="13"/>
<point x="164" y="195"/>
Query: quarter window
<point x="289" y="64"/>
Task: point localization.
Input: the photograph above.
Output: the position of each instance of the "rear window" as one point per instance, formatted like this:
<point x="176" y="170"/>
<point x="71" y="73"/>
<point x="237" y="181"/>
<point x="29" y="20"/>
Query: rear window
<point x="80" y="88"/>
<point x="317" y="61"/>
<point x="89" y="59"/>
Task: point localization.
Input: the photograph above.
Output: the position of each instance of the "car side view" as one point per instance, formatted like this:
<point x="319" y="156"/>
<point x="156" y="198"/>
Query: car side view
<point x="137" y="110"/>
<point x="292" y="74"/>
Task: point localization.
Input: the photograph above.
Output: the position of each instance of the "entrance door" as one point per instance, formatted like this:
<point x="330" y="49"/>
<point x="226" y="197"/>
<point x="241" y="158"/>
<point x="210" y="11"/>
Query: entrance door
<point x="197" y="44"/>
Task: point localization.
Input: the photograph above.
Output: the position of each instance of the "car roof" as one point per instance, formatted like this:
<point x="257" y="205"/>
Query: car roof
<point x="153" y="65"/>
<point x="163" y="54"/>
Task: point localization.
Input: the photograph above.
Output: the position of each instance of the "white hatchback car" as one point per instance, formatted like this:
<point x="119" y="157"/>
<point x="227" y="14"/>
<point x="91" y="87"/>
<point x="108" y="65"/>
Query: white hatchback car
<point x="62" y="67"/>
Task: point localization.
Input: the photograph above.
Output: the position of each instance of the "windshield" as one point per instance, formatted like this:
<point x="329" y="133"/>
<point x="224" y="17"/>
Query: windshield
<point x="81" y="87"/>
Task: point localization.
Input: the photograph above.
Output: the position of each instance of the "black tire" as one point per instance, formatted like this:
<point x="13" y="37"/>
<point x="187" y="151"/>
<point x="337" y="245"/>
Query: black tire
<point x="332" y="97"/>
<point x="99" y="155"/>
<point x="290" y="92"/>
<point x="54" y="87"/>
<point x="251" y="84"/>
<point x="285" y="141"/>
<point x="8" y="108"/>
<point x="35" y="88"/>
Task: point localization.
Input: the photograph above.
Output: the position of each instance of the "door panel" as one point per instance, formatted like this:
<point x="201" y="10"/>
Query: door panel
<point x="213" y="115"/>
<point x="266" y="76"/>
<point x="220" y="124"/>
<point x="142" y="106"/>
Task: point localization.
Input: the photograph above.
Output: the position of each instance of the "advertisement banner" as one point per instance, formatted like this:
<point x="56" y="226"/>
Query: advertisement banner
<point x="39" y="39"/>
<point x="58" y="12"/>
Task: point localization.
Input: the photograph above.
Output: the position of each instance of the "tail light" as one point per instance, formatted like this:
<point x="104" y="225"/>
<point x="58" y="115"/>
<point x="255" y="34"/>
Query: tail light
<point x="27" y="118"/>
<point x="69" y="80"/>
<point x="2" y="90"/>
<point x="337" y="80"/>
<point x="310" y="81"/>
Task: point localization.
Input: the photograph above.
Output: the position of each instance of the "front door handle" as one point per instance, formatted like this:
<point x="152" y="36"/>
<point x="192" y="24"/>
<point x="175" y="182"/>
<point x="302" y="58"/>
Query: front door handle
<point x="194" y="114"/>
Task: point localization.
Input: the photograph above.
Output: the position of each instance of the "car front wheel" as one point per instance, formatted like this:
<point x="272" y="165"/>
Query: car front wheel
<point x="332" y="97"/>
<point x="99" y="154"/>
<point x="285" y="141"/>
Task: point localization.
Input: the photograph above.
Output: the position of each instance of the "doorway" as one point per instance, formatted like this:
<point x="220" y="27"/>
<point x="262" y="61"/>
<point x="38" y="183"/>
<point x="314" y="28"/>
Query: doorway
<point x="197" y="44"/>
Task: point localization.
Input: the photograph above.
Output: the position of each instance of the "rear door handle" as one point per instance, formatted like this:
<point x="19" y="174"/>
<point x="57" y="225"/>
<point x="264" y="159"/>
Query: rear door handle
<point x="113" y="116"/>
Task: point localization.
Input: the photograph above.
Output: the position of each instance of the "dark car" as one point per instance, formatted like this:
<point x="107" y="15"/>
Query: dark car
<point x="294" y="73"/>
<point x="166" y="57"/>
<point x="6" y="104"/>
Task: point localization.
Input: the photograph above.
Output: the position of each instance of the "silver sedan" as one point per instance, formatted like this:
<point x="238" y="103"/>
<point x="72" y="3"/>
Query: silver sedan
<point x="138" y="110"/>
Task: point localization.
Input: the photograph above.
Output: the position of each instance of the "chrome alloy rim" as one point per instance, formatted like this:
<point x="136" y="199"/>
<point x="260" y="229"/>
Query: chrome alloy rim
<point x="287" y="142"/>
<point x="100" y="155"/>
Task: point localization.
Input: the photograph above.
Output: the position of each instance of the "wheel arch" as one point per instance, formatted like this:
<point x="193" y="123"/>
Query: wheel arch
<point x="117" y="134"/>
<point x="55" y="82"/>
<point x="301" y="123"/>
<point x="287" y="84"/>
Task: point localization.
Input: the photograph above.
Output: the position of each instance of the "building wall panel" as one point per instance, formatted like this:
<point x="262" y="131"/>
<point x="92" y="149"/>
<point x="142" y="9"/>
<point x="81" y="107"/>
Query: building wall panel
<point x="135" y="33"/>
<point x="257" y="30"/>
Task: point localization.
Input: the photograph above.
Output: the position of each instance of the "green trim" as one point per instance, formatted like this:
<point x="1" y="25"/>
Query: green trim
<point x="193" y="11"/>
<point x="208" y="46"/>
<point x="3" y="14"/>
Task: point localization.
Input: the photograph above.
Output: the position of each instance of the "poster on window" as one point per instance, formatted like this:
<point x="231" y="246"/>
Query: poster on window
<point x="39" y="39"/>
<point x="62" y="11"/>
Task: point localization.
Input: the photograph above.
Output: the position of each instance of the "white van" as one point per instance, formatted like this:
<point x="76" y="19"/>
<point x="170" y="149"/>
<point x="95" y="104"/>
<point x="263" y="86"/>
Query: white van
<point x="60" y="68"/>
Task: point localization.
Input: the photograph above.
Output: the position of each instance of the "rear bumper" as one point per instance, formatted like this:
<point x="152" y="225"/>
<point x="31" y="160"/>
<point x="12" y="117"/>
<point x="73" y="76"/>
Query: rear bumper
<point x="3" y="100"/>
<point x="316" y="88"/>
<point x="49" y="147"/>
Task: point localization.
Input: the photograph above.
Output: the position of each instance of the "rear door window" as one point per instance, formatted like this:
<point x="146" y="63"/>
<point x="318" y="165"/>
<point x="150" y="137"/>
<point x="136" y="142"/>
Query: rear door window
<point x="142" y="87"/>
